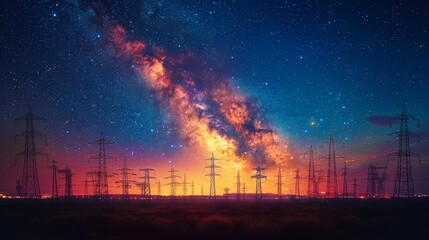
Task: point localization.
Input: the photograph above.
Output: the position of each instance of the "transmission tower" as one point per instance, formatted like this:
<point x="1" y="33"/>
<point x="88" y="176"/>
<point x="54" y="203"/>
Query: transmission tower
<point x="259" y="177"/>
<point x="372" y="179"/>
<point x="332" y="170"/>
<point x="375" y="181"/>
<point x="311" y="186"/>
<point x="94" y="176"/>
<point x="345" y="190"/>
<point x="238" y="185"/>
<point x="185" y="185"/>
<point x="125" y="182"/>
<point x="297" y="181"/>
<point x="159" y="188"/>
<point x="30" y="179"/>
<point x="279" y="185"/>
<point x="173" y="182"/>
<point x="101" y="186"/>
<point x="381" y="181"/>
<point x="404" y="185"/>
<point x="68" y="182"/>
<point x="54" y="179"/>
<point x="212" y="174"/>
<point x="146" y="182"/>
<point x="85" y="190"/>
<point x="192" y="188"/>
<point x="354" y="188"/>
<point x="318" y="180"/>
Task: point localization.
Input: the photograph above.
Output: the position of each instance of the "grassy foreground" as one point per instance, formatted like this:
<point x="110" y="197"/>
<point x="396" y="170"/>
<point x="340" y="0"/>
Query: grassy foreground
<point x="43" y="219"/>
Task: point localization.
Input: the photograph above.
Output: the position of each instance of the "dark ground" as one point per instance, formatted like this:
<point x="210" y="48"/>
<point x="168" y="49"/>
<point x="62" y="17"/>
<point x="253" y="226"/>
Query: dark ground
<point x="44" y="219"/>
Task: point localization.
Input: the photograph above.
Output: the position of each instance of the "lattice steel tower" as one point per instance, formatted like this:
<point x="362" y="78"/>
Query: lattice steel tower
<point x="68" y="182"/>
<point x="311" y="186"/>
<point x="259" y="177"/>
<point x="238" y="185"/>
<point x="146" y="182"/>
<point x="54" y="179"/>
<point x="279" y="185"/>
<point x="185" y="185"/>
<point x="355" y="195"/>
<point x="213" y="176"/>
<point x="125" y="182"/>
<point x="30" y="179"/>
<point x="404" y="185"/>
<point x="345" y="190"/>
<point x="173" y="182"/>
<point x="331" y="177"/>
<point x="101" y="185"/>
<point x="297" y="181"/>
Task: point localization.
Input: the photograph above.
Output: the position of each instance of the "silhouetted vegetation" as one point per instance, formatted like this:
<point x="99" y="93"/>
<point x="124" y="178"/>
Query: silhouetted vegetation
<point x="44" y="219"/>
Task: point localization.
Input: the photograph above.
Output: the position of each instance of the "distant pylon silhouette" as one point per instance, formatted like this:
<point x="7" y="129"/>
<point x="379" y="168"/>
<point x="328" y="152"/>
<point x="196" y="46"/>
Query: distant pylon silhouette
<point x="185" y="185"/>
<point x="147" y="195"/>
<point x="311" y="186"/>
<point x="381" y="181"/>
<point x="159" y="188"/>
<point x="238" y="185"/>
<point x="404" y="184"/>
<point x="279" y="185"/>
<point x="125" y="182"/>
<point x="258" y="176"/>
<point x="68" y="182"/>
<point x="345" y="190"/>
<point x="101" y="185"/>
<point x="297" y="183"/>
<point x="30" y="178"/>
<point x="192" y="188"/>
<point x="332" y="170"/>
<point x="355" y="195"/>
<point x="173" y="182"/>
<point x="54" y="179"/>
<point x="213" y="175"/>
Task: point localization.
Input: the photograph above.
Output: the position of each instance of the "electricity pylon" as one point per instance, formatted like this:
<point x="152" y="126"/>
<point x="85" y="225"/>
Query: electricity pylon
<point x="355" y="195"/>
<point x="311" y="186"/>
<point x="238" y="185"/>
<point x="159" y="188"/>
<point x="213" y="175"/>
<point x="345" y="191"/>
<point x="279" y="185"/>
<point x="68" y="182"/>
<point x="30" y="179"/>
<point x="185" y="185"/>
<point x="101" y="185"/>
<point x="173" y="182"/>
<point x="147" y="195"/>
<point x="404" y="184"/>
<point x="297" y="181"/>
<point x="331" y="177"/>
<point x="258" y="176"/>
<point x="54" y="179"/>
<point x="125" y="182"/>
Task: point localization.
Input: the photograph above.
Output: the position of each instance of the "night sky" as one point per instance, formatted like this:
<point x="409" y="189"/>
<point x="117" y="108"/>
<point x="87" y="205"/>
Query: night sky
<point x="300" y="68"/>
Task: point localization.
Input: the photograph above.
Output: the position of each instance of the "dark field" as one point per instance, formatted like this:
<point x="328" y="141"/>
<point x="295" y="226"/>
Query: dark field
<point x="221" y="220"/>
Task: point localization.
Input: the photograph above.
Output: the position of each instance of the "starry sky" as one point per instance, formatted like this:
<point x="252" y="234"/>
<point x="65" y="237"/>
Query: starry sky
<point x="303" y="68"/>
